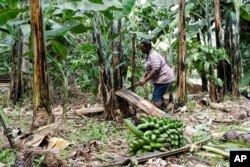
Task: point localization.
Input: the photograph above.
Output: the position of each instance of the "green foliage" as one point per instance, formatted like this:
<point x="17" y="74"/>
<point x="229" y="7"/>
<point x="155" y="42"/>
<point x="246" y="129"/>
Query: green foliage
<point x="5" y="63"/>
<point x="245" y="11"/>
<point x="61" y="72"/>
<point x="243" y="7"/>
<point x="128" y="6"/>
<point x="192" y="105"/>
<point x="8" y="14"/>
<point x="204" y="58"/>
<point x="87" y="69"/>
<point x="38" y="162"/>
<point x="60" y="49"/>
<point x="79" y="28"/>
<point x="96" y="1"/>
<point x="94" y="131"/>
<point x="8" y="157"/>
<point x="11" y="3"/>
<point x="200" y="135"/>
<point x="245" y="56"/>
<point x="4" y="96"/>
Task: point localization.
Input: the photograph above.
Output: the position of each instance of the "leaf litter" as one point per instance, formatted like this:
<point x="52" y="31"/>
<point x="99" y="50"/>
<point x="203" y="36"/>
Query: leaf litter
<point x="59" y="148"/>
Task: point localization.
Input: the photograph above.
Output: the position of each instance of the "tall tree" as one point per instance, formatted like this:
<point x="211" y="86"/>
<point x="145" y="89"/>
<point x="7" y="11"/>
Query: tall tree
<point x="42" y="103"/>
<point x="221" y="73"/>
<point x="105" y="74"/>
<point x="212" y="86"/>
<point x="133" y="64"/>
<point x="228" y="44"/>
<point x="117" y="69"/>
<point x="16" y="79"/>
<point x="236" y="51"/>
<point x="181" y="78"/>
<point x="204" y="81"/>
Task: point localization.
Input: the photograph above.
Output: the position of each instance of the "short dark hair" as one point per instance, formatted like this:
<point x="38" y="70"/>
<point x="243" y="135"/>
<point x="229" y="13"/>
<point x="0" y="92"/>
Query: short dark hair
<point x="146" y="43"/>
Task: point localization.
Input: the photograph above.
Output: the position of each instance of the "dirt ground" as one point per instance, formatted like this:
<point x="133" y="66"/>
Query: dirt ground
<point x="89" y="140"/>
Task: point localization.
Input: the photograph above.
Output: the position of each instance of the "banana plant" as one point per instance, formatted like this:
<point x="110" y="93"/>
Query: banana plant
<point x="61" y="71"/>
<point x="206" y="57"/>
<point x="10" y="14"/>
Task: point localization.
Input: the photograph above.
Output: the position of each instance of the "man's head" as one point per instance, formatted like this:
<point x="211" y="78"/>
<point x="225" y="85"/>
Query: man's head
<point x="146" y="46"/>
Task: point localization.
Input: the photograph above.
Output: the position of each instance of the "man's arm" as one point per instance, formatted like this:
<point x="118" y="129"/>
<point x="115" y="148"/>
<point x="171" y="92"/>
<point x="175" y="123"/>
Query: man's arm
<point x="150" y="76"/>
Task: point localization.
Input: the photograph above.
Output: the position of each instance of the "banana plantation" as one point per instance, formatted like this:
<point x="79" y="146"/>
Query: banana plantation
<point x="147" y="83"/>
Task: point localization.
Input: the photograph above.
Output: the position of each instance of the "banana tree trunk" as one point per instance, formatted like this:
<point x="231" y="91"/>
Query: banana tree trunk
<point x="16" y="79"/>
<point x="107" y="95"/>
<point x="117" y="70"/>
<point x="212" y="86"/>
<point x="236" y="54"/>
<point x="221" y="73"/>
<point x="116" y="56"/>
<point x="181" y="78"/>
<point x="105" y="75"/>
<point x="204" y="81"/>
<point x="228" y="46"/>
<point x="133" y="64"/>
<point x="42" y="103"/>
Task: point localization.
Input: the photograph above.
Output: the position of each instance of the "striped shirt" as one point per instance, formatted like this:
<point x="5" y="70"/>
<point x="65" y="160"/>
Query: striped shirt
<point x="157" y="61"/>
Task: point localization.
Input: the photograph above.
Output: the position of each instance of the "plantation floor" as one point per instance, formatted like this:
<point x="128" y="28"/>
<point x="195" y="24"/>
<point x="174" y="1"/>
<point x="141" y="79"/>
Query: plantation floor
<point x="89" y="140"/>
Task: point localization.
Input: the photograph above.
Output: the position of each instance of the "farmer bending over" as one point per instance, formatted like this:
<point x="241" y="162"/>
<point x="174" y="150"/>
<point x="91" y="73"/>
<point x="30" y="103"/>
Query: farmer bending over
<point x="156" y="70"/>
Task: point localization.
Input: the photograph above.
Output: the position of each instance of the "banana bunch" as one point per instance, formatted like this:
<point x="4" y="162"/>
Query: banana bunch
<point x="155" y="133"/>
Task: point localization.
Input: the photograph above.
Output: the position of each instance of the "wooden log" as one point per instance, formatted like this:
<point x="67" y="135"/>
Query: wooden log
<point x="216" y="106"/>
<point x="84" y="111"/>
<point x="141" y="103"/>
<point x="221" y="107"/>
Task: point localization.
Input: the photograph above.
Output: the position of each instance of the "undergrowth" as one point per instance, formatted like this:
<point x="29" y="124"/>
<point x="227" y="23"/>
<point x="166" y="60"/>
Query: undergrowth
<point x="8" y="157"/>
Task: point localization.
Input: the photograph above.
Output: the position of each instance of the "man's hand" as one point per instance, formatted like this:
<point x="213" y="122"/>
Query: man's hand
<point x="142" y="82"/>
<point x="149" y="76"/>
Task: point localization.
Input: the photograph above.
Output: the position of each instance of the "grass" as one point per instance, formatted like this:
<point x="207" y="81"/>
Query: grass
<point x="64" y="154"/>
<point x="17" y="118"/>
<point x="214" y="161"/>
<point x="4" y="96"/>
<point x="130" y="137"/>
<point x="200" y="135"/>
<point x="38" y="162"/>
<point x="191" y="105"/>
<point x="93" y="130"/>
<point x="226" y="128"/>
<point x="8" y="157"/>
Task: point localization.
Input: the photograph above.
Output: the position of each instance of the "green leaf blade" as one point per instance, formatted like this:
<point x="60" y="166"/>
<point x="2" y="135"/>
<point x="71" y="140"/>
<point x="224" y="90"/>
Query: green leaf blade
<point x="8" y="14"/>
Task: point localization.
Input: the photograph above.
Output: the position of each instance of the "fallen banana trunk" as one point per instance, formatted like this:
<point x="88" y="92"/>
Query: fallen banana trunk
<point x="141" y="103"/>
<point x="85" y="111"/>
<point x="216" y="150"/>
<point x="145" y="157"/>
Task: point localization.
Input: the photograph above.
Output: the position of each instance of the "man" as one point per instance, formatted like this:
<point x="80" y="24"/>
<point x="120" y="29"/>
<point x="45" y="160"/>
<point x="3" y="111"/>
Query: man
<point x="156" y="70"/>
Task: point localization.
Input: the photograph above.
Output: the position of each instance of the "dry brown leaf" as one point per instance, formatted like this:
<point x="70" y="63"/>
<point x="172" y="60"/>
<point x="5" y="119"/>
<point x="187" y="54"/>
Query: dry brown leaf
<point x="156" y="162"/>
<point x="44" y="127"/>
<point x="36" y="140"/>
<point x="58" y="110"/>
<point x="57" y="143"/>
<point x="218" y="135"/>
<point x="52" y="142"/>
<point x="189" y="131"/>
